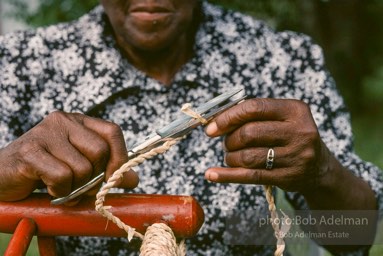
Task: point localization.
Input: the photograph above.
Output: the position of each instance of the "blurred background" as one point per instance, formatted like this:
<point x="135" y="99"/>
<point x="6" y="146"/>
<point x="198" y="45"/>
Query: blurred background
<point x="349" y="31"/>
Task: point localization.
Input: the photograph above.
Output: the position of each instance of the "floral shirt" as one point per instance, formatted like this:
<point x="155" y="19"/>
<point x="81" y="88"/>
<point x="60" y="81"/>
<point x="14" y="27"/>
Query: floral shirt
<point x="76" y="67"/>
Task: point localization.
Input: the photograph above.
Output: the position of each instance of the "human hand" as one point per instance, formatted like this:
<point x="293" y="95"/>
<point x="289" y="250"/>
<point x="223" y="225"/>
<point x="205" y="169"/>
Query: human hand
<point x="256" y="125"/>
<point x="62" y="152"/>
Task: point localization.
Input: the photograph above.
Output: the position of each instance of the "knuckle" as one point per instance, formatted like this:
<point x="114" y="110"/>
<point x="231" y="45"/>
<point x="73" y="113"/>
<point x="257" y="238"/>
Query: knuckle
<point x="255" y="106"/>
<point x="230" y="159"/>
<point x="29" y="149"/>
<point x="112" y="128"/>
<point x="247" y="158"/>
<point x="255" y="176"/>
<point x="83" y="169"/>
<point x="61" y="175"/>
<point x="300" y="105"/>
<point x="301" y="109"/>
<point x="55" y="122"/>
<point x="223" y="121"/>
<point x="251" y="104"/>
<point x="310" y="135"/>
<point x="101" y="150"/>
<point x="308" y="155"/>
<point x="245" y="135"/>
<point x="56" y="116"/>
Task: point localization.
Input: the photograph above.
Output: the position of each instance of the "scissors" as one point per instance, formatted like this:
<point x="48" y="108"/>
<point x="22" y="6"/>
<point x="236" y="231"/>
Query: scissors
<point x="175" y="129"/>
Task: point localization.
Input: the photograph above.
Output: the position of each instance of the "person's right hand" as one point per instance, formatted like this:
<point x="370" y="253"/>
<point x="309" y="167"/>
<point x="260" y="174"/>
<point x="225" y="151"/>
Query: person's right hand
<point x="62" y="153"/>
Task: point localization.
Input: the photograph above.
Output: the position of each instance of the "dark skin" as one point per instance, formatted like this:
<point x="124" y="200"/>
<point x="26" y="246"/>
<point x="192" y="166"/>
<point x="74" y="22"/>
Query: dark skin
<point x="62" y="153"/>
<point x="303" y="163"/>
<point x="156" y="36"/>
<point x="66" y="150"/>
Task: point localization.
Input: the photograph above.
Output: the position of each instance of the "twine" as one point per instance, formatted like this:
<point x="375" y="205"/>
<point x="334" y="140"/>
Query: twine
<point x="117" y="175"/>
<point x="188" y="110"/>
<point x="279" y="232"/>
<point x="159" y="239"/>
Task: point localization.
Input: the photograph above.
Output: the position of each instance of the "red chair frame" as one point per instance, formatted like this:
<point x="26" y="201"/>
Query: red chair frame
<point x="36" y="216"/>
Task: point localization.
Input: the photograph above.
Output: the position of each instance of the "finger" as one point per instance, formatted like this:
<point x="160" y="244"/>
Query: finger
<point x="69" y="129"/>
<point x="245" y="176"/>
<point x="92" y="145"/>
<point x="81" y="167"/>
<point x="259" y="134"/>
<point x="256" y="158"/>
<point x="129" y="180"/>
<point x="250" y="110"/>
<point x="118" y="152"/>
<point x="55" y="174"/>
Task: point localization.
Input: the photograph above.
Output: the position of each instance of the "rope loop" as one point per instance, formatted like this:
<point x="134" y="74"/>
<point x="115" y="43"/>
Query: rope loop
<point x="159" y="239"/>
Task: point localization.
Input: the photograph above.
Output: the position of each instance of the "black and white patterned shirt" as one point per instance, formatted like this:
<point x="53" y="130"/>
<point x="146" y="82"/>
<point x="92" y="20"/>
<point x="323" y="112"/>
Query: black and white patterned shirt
<point x="76" y="67"/>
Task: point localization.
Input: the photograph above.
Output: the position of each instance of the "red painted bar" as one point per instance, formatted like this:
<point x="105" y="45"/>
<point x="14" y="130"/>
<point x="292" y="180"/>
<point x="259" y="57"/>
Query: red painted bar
<point x="47" y="246"/>
<point x="182" y="213"/>
<point x="22" y="237"/>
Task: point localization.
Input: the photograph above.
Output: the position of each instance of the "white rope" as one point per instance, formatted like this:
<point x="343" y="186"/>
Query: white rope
<point x="279" y="232"/>
<point x="159" y="239"/>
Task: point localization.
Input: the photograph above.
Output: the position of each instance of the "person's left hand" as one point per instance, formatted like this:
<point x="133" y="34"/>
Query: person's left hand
<point x="300" y="161"/>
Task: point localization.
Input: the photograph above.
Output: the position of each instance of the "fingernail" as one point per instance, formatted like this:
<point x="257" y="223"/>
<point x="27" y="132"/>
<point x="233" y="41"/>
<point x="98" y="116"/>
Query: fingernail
<point x="212" y="176"/>
<point x="211" y="128"/>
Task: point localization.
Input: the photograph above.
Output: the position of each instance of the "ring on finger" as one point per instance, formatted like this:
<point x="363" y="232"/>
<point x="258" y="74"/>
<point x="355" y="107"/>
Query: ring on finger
<point x="270" y="159"/>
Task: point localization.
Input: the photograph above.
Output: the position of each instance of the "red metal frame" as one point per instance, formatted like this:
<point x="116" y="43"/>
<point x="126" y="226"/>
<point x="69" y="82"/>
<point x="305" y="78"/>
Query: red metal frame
<point x="36" y="216"/>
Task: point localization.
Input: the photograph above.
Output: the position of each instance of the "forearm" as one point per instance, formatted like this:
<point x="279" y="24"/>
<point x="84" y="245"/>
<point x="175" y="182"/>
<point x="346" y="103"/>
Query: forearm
<point x="340" y="189"/>
<point x="339" y="195"/>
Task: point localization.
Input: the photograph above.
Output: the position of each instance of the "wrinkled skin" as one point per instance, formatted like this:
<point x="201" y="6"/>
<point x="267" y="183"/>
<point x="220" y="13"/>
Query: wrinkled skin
<point x="302" y="161"/>
<point x="62" y="152"/>
<point x="284" y="125"/>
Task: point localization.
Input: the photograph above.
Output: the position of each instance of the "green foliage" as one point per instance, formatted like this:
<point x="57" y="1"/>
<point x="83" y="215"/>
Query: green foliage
<point x="49" y="11"/>
<point x="275" y="12"/>
<point x="373" y="87"/>
<point x="4" y="240"/>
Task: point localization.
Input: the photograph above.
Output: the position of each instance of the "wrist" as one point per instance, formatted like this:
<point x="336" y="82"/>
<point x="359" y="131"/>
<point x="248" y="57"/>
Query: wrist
<point x="329" y="181"/>
<point x="337" y="188"/>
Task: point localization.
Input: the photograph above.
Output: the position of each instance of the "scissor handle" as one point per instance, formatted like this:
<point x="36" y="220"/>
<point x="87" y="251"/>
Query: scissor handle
<point x="96" y="180"/>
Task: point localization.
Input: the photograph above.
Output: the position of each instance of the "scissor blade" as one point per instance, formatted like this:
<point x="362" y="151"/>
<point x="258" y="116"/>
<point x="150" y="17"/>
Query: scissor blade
<point x="177" y="128"/>
<point x="192" y="124"/>
<point x="202" y="109"/>
<point x="179" y="124"/>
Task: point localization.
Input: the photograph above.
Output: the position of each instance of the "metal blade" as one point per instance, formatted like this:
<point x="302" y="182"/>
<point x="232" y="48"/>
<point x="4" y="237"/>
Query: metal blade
<point x="179" y="127"/>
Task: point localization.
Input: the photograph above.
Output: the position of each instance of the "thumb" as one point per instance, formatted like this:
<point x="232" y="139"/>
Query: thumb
<point x="128" y="180"/>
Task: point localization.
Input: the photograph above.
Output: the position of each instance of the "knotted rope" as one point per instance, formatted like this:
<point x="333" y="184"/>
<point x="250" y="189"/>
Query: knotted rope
<point x="167" y="245"/>
<point x="187" y="109"/>
<point x="159" y="239"/>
